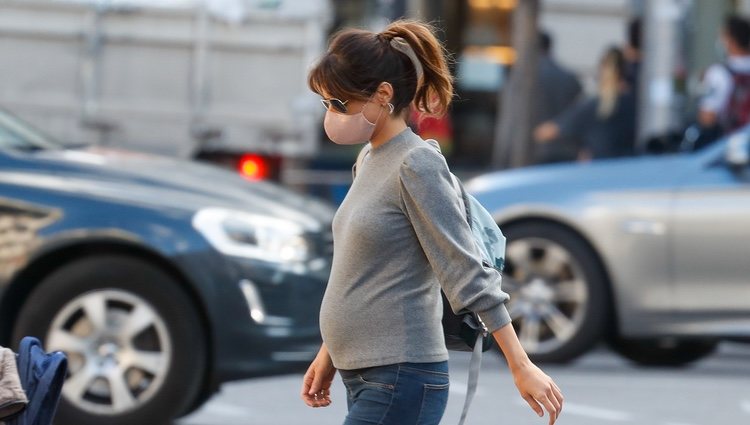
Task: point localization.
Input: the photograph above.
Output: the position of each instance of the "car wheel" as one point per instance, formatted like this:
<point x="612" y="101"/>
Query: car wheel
<point x="663" y="352"/>
<point x="559" y="300"/>
<point x="135" y="346"/>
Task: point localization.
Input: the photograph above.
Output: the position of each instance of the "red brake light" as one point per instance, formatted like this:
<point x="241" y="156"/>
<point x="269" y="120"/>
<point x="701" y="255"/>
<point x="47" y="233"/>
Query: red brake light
<point x="253" y="167"/>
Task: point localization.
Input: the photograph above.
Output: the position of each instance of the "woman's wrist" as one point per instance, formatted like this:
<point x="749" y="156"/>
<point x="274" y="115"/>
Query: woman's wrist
<point x="519" y="365"/>
<point x="324" y="355"/>
<point x="511" y="347"/>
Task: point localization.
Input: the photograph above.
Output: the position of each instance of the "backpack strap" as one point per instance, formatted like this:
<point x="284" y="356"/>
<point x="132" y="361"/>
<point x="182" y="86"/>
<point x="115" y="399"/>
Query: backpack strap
<point x="457" y="186"/>
<point x="471" y="387"/>
<point x="731" y="71"/>
<point x="476" y="355"/>
<point x="461" y="201"/>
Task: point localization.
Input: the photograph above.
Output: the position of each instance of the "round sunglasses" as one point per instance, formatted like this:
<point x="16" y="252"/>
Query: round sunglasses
<point x="336" y="104"/>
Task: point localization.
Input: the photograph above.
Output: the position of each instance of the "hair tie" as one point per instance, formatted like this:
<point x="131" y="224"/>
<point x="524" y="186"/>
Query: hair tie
<point x="404" y="47"/>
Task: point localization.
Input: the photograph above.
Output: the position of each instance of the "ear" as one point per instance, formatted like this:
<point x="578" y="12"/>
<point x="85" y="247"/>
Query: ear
<point x="384" y="93"/>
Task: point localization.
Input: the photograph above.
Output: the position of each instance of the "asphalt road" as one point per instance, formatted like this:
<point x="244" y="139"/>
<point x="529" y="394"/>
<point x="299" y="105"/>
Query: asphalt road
<point x="599" y="389"/>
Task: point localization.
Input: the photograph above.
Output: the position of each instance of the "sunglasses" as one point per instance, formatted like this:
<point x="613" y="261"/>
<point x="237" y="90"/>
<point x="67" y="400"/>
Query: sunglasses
<point x="336" y="104"/>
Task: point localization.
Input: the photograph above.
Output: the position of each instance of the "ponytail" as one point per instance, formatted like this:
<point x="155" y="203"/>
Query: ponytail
<point x="406" y="54"/>
<point x="435" y="92"/>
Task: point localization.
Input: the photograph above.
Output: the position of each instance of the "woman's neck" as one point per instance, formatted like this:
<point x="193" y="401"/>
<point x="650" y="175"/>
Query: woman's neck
<point x="391" y="127"/>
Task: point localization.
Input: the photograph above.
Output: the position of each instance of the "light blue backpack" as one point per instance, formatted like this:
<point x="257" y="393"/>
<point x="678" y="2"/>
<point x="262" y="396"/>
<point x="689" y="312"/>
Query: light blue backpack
<point x="488" y="237"/>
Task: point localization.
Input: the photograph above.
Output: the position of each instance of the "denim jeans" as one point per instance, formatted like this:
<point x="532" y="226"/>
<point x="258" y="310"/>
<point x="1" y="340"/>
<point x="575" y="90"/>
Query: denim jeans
<point x="398" y="394"/>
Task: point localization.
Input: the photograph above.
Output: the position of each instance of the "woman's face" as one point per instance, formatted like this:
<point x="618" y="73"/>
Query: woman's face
<point x="608" y="69"/>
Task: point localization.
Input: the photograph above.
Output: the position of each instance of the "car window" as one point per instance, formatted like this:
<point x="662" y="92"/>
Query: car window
<point x="15" y="134"/>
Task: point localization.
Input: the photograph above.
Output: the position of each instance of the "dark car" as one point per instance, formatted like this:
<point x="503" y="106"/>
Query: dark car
<point x="160" y="279"/>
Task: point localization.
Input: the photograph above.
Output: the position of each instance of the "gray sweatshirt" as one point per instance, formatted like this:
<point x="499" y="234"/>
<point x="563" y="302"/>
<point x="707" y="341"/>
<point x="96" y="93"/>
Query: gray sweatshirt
<point x="399" y="236"/>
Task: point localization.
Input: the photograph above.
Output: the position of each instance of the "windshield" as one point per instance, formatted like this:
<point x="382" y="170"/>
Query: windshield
<point x="16" y="134"/>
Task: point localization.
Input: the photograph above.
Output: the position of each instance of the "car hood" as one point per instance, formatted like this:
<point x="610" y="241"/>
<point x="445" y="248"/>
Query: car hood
<point x="614" y="174"/>
<point x="167" y="183"/>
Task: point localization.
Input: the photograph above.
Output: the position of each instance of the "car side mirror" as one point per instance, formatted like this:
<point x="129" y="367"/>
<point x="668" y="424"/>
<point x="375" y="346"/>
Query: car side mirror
<point x="737" y="153"/>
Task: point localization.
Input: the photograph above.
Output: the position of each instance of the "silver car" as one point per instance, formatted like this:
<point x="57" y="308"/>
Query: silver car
<point x="650" y="253"/>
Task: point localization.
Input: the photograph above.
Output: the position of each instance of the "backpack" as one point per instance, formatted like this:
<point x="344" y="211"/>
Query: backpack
<point x="738" y="106"/>
<point x="462" y="330"/>
<point x="465" y="331"/>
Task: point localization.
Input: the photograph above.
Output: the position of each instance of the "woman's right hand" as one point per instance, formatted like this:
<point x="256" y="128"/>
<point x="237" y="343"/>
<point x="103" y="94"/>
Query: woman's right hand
<point x="538" y="389"/>
<point x="316" y="385"/>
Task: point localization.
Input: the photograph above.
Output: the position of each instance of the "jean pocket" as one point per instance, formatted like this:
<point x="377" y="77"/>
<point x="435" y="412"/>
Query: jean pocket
<point x="372" y="381"/>
<point x="434" y="401"/>
<point x="414" y="368"/>
<point x="379" y="377"/>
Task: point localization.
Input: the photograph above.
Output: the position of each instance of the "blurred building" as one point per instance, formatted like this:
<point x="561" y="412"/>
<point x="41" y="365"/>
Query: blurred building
<point x="202" y="78"/>
<point x="478" y="33"/>
<point x="220" y="80"/>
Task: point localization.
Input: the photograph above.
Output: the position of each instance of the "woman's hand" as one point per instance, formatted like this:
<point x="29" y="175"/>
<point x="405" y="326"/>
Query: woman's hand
<point x="546" y="131"/>
<point x="539" y="390"/>
<point x="316" y="385"/>
<point x="535" y="386"/>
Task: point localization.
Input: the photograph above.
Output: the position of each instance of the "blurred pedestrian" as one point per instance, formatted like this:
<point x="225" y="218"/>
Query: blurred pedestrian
<point x="605" y="123"/>
<point x="632" y="52"/>
<point x="399" y="236"/>
<point x="556" y="90"/>
<point x="726" y="103"/>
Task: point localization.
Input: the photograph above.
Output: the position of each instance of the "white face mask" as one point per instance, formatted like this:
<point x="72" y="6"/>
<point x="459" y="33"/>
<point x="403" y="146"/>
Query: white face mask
<point x="353" y="129"/>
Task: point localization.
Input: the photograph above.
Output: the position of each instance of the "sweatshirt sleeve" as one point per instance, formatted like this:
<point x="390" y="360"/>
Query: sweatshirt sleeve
<point x="430" y="201"/>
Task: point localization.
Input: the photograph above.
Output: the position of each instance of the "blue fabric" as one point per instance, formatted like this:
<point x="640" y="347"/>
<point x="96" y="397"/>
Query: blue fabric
<point x="487" y="235"/>
<point x="398" y="394"/>
<point x="42" y="377"/>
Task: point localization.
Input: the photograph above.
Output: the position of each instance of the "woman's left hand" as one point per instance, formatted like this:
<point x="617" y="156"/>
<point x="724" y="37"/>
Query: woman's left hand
<point x="539" y="390"/>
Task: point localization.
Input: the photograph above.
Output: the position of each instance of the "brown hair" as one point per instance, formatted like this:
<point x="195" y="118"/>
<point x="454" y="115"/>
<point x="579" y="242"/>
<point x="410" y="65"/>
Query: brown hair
<point x="611" y="76"/>
<point x="357" y="61"/>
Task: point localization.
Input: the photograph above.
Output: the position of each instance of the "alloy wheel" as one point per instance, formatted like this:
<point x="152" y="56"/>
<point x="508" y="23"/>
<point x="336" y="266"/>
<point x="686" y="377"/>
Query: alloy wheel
<point x="548" y="293"/>
<point x="118" y="347"/>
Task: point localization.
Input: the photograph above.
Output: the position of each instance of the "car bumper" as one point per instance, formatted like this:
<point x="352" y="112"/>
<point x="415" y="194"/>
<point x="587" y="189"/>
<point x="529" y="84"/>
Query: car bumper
<point x="263" y="320"/>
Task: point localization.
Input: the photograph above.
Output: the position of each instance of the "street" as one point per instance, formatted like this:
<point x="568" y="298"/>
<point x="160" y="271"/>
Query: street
<point x="600" y="388"/>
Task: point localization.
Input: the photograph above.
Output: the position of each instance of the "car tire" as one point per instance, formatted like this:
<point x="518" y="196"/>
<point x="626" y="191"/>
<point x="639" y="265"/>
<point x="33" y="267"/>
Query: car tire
<point x="664" y="352"/>
<point x="560" y="301"/>
<point x="136" y="347"/>
<point x="197" y="404"/>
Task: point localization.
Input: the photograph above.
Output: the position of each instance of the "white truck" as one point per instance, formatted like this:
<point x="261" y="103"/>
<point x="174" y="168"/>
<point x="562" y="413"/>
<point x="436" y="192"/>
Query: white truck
<point x="213" y="79"/>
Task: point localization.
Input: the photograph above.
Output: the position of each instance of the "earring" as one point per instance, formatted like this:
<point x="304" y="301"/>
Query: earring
<point x="390" y="108"/>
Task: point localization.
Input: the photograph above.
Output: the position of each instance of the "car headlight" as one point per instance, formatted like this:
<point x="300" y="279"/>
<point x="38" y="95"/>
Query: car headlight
<point x="254" y="236"/>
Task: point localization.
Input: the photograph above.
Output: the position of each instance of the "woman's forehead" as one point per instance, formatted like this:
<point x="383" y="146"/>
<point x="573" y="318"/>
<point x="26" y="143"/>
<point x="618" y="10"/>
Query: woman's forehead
<point x="335" y="92"/>
<point x="325" y="94"/>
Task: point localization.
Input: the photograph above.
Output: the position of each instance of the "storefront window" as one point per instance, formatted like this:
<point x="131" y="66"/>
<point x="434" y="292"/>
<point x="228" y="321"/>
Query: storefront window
<point x="483" y="57"/>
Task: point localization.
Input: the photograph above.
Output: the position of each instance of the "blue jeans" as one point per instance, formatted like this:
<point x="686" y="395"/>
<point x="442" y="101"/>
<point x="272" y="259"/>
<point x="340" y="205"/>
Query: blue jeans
<point x="398" y="394"/>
